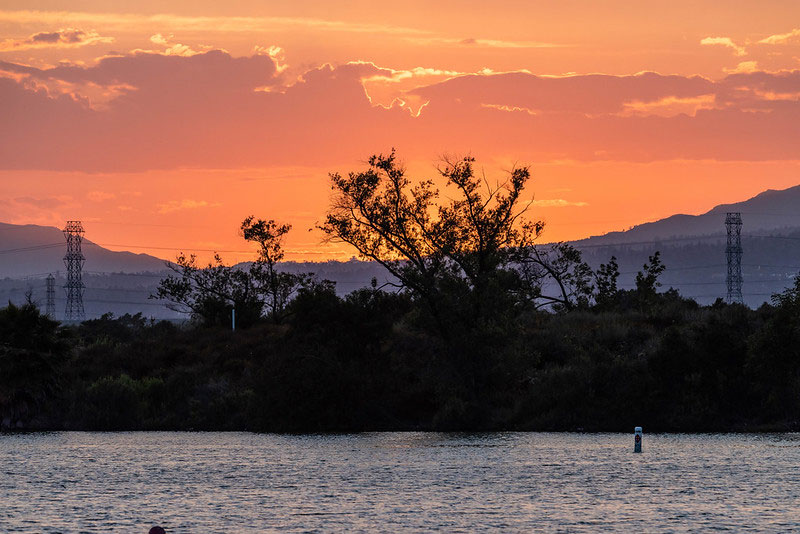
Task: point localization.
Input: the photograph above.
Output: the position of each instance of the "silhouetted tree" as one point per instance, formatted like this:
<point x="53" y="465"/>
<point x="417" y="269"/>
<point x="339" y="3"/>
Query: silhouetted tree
<point x="647" y="279"/>
<point x="31" y="345"/>
<point x="277" y="287"/>
<point x="774" y="358"/>
<point x="210" y="293"/>
<point x="471" y="257"/>
<point x="559" y="266"/>
<point x="788" y="300"/>
<point x="605" y="280"/>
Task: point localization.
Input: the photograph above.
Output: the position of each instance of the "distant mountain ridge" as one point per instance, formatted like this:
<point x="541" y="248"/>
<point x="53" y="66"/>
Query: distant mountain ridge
<point x="30" y="249"/>
<point x="769" y="210"/>
<point x="692" y="248"/>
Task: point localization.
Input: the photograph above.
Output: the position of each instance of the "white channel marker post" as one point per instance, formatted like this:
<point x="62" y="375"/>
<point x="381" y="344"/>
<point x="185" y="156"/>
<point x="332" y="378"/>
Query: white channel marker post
<point x="637" y="439"/>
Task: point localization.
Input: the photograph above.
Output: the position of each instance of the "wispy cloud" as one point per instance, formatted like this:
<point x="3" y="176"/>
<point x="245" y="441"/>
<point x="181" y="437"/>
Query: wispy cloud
<point x="503" y="107"/>
<point x="393" y="75"/>
<point x="233" y="24"/>
<point x="185" y="204"/>
<point x="100" y="196"/>
<point x="558" y="203"/>
<point x="63" y="38"/>
<point x="173" y="48"/>
<point x="670" y="106"/>
<point x="482" y="43"/>
<point x="128" y="21"/>
<point x="781" y="38"/>
<point x="497" y="43"/>
<point x="724" y="41"/>
<point x="743" y="67"/>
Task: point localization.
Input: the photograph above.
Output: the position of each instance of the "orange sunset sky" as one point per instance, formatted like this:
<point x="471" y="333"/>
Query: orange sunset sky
<point x="162" y="125"/>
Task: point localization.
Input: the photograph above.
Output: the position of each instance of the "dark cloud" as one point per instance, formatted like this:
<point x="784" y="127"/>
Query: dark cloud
<point x="593" y="93"/>
<point x="214" y="110"/>
<point x="52" y="37"/>
<point x="64" y="37"/>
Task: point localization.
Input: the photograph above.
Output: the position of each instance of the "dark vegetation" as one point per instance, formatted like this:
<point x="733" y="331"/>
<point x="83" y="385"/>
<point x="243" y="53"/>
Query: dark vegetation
<point x="484" y="330"/>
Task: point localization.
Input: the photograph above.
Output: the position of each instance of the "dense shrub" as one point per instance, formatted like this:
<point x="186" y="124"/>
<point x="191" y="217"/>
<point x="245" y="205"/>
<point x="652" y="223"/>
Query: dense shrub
<point x="369" y="361"/>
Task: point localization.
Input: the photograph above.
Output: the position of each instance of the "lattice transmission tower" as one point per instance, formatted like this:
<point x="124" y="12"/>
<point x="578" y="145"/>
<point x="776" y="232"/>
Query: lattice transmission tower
<point x="74" y="260"/>
<point x="733" y="251"/>
<point x="50" y="308"/>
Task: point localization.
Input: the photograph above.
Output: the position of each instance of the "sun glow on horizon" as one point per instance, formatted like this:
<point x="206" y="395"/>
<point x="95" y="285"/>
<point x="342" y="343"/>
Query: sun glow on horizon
<point x="169" y="129"/>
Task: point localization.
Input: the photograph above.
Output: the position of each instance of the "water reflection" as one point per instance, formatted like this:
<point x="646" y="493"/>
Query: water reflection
<point x="240" y="482"/>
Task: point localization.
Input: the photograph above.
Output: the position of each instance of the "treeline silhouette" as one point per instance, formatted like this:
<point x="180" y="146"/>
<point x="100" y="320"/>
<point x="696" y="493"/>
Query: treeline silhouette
<point x="483" y="330"/>
<point x="365" y="362"/>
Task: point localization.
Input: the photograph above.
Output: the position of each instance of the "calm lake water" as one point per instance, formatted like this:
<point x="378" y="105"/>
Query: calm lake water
<point x="388" y="482"/>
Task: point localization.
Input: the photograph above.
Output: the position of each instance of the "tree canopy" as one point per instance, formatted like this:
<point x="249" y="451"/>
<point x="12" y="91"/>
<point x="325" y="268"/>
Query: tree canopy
<point x="210" y="293"/>
<point x="468" y="253"/>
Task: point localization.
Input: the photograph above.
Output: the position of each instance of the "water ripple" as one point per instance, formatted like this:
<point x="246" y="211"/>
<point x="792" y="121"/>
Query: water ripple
<point x="387" y="482"/>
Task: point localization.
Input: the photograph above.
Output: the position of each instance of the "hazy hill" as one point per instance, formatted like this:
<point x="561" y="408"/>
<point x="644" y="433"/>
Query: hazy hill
<point x="692" y="248"/>
<point x="769" y="210"/>
<point x="44" y="248"/>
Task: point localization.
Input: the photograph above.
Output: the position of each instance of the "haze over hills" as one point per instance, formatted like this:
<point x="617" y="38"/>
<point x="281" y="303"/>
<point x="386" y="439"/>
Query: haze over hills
<point x="692" y="247"/>
<point x="769" y="210"/>
<point x="46" y="248"/>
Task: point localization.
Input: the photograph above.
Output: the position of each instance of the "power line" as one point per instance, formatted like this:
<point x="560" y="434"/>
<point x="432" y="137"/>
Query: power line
<point x="238" y="251"/>
<point x="639" y="243"/>
<point x="682" y="284"/>
<point x="676" y="239"/>
<point x="793" y="238"/>
<point x="172" y="248"/>
<point x="131" y="290"/>
<point x="142" y="275"/>
<point x="34" y="276"/>
<point x="159" y="225"/>
<point x="31" y="248"/>
<point x="133" y="303"/>
<point x="774" y="213"/>
<point x="743" y="294"/>
<point x="691" y="268"/>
